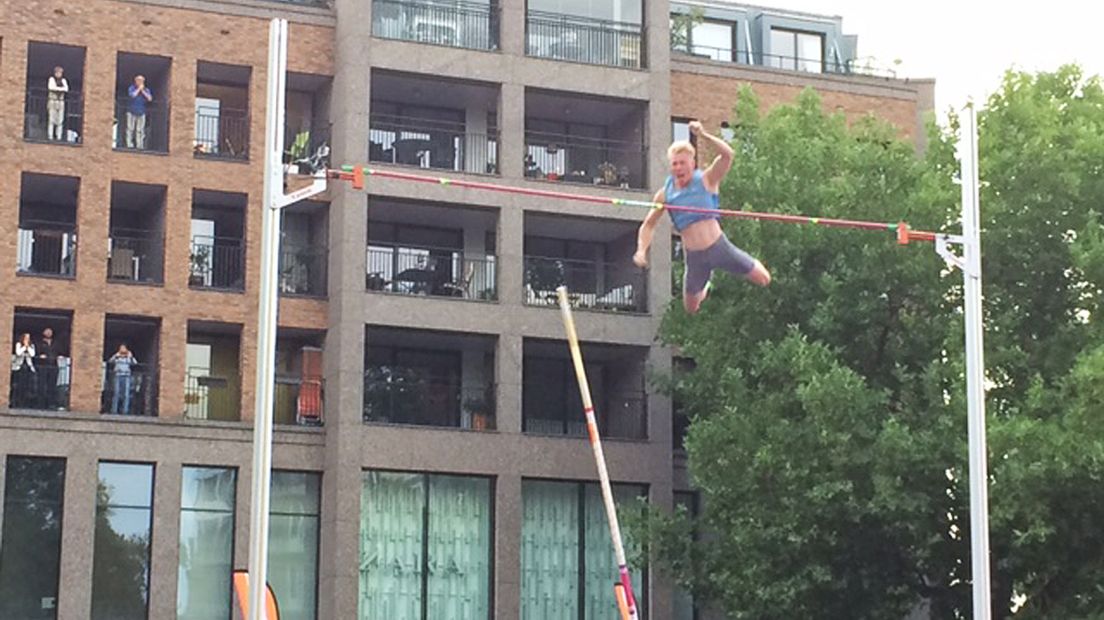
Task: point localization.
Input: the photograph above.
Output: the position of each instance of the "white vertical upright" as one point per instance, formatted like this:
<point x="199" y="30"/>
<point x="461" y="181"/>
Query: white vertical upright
<point x="975" y="367"/>
<point x="266" y="320"/>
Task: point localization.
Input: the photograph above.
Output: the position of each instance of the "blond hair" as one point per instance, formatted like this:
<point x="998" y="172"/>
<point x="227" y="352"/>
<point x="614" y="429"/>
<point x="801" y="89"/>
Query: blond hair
<point x="680" y="146"/>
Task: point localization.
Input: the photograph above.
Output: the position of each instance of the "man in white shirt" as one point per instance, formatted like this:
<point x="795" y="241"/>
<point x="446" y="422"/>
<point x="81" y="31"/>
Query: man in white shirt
<point x="55" y="103"/>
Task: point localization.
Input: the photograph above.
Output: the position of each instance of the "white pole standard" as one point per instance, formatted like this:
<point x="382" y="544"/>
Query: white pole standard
<point x="599" y="455"/>
<point x="975" y="367"/>
<point x="266" y="321"/>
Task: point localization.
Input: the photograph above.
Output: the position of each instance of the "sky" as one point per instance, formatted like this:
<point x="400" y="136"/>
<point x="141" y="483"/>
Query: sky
<point x="966" y="45"/>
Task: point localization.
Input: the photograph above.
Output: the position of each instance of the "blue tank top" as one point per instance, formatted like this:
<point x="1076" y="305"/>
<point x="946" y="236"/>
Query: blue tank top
<point x="693" y="195"/>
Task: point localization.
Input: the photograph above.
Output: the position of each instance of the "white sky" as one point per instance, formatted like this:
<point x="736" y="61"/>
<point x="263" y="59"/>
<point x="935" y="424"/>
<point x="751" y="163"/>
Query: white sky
<point x="967" y="44"/>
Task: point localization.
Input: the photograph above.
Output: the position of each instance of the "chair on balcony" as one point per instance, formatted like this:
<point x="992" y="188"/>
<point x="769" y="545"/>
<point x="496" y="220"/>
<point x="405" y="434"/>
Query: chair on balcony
<point x="123" y="264"/>
<point x="463" y="287"/>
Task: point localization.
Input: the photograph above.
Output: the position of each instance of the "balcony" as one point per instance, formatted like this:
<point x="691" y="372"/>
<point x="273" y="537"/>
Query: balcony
<point x="392" y="396"/>
<point x="587" y="161"/>
<point x="135" y="245"/>
<point x="429" y="271"/>
<point x="551" y="404"/>
<point x="470" y="25"/>
<point x="425" y="378"/>
<point x="58" y="116"/>
<point x="592" y="285"/>
<point x="133" y="256"/>
<point x="436" y="144"/>
<point x="130" y="382"/>
<point x="303" y="270"/>
<point x="147" y="132"/>
<point x="299" y="398"/>
<point x="142" y="111"/>
<point x="307" y="135"/>
<point x="217" y="262"/>
<point x="222" y="111"/>
<point x="212" y="385"/>
<point x="588" y="40"/>
<point x="41" y="379"/>
<point x="134" y="394"/>
<point x="46" y="244"/>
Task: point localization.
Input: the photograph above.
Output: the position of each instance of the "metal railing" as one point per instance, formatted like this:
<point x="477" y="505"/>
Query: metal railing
<point x="471" y="25"/>
<point x="593" y="285"/>
<point x="303" y="270"/>
<point x="575" y="38"/>
<point x="428" y="143"/>
<point x="46" y="387"/>
<point x="149" y="132"/>
<point x="589" y="161"/>
<point x="210" y="397"/>
<point x="299" y="401"/>
<point x="134" y="394"/>
<point x="404" y="398"/>
<point x="37" y="117"/>
<point x="217" y="262"/>
<point x="787" y="62"/>
<point x="619" y="416"/>
<point x="222" y="133"/>
<point x="308" y="151"/>
<point x="46" y="248"/>
<point x="436" y="272"/>
<point x="134" y="257"/>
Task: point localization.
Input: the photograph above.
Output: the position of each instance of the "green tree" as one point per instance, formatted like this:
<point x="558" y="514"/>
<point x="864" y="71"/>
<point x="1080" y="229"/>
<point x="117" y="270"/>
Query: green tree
<point x="828" y="434"/>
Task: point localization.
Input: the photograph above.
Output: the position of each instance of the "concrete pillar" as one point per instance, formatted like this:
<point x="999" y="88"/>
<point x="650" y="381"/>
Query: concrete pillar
<point x="165" y="551"/>
<point x="511" y="123"/>
<point x="508" y="361"/>
<point x="507" y="551"/>
<point x="78" y="535"/>
<point x="476" y="153"/>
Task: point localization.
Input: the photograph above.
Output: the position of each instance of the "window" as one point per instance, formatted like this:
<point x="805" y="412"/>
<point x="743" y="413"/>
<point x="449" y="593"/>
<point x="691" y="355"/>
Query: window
<point x="623" y="11"/>
<point x="425" y="547"/>
<point x="121" y="553"/>
<point x="206" y="542"/>
<point x="715" y="39"/>
<point x="567" y="560"/>
<point x="801" y="51"/>
<point x="30" y="544"/>
<point x="293" y="543"/>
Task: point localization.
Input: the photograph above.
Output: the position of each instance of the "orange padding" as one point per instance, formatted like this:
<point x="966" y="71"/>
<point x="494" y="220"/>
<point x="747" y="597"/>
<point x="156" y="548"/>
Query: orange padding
<point x="622" y="602"/>
<point x="241" y="598"/>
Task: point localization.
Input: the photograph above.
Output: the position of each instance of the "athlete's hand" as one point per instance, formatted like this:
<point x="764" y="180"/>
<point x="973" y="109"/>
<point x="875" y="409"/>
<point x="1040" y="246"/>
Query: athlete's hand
<point x="641" y="259"/>
<point x="695" y="128"/>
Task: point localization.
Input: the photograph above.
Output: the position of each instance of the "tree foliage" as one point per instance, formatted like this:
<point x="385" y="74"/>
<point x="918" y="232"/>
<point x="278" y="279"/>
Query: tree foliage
<point x="829" y="435"/>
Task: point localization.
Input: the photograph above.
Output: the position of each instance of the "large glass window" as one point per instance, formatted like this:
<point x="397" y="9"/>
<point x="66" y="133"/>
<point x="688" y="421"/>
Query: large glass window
<point x="30" y="544"/>
<point x="121" y="552"/>
<point x="715" y="39"/>
<point x="293" y="543"/>
<point x="802" y="51"/>
<point x="206" y="543"/>
<point x="425" y="547"/>
<point x="567" y="561"/>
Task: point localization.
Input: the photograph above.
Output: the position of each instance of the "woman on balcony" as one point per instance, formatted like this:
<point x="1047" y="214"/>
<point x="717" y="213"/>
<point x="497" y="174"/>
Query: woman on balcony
<point x="23" y="372"/>
<point x="704" y="242"/>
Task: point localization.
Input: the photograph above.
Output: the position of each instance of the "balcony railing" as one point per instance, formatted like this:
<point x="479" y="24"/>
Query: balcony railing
<point x="298" y="401"/>
<point x="471" y="25"/>
<point x="427" y="143"/>
<point x="222" y="133"/>
<point x="593" y="285"/>
<point x="134" y="257"/>
<point x="37" y="117"/>
<point x="620" y="416"/>
<point x="217" y="262"/>
<point x="210" y="397"/>
<point x="135" y="394"/>
<point x="149" y="132"/>
<point x="582" y="39"/>
<point x="589" y="161"/>
<point x="431" y="271"/>
<point x="47" y="248"/>
<point x="46" y="387"/>
<point x="303" y="270"/>
<point x="788" y="62"/>
<point x="402" y="398"/>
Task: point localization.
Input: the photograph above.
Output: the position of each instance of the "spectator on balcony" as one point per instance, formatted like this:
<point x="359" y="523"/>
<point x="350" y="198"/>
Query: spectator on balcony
<point x="47" y="369"/>
<point x="122" y="363"/>
<point x="138" y="95"/>
<point x="56" y="87"/>
<point x="23" y="372"/>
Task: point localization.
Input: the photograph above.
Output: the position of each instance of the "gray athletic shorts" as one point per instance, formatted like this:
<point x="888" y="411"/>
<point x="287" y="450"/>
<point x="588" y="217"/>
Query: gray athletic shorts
<point x="720" y="255"/>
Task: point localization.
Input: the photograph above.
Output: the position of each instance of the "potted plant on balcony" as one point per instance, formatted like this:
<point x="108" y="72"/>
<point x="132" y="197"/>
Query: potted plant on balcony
<point x="200" y="257"/>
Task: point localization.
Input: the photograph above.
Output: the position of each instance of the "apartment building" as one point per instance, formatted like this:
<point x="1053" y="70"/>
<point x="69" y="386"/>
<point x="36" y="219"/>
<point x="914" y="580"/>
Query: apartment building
<point x="430" y="458"/>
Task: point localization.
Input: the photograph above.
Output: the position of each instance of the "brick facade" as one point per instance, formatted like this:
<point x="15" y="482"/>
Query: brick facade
<point x="104" y="28"/>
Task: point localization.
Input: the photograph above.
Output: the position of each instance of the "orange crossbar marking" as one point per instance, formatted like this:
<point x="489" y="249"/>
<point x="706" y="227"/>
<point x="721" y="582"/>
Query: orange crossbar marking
<point x="241" y="594"/>
<point x="622" y="602"/>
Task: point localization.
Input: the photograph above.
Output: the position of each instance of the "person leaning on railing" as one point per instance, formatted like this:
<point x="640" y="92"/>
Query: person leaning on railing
<point x="56" y="87"/>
